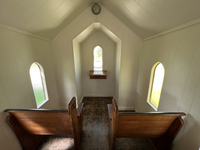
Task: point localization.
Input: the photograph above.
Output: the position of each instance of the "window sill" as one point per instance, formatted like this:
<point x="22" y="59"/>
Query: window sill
<point x="98" y="74"/>
<point x="42" y="104"/>
<point x="154" y="107"/>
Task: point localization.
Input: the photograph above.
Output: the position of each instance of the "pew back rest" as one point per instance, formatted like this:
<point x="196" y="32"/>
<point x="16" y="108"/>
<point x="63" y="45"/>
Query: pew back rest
<point x="145" y="125"/>
<point x="160" y="127"/>
<point x="30" y="125"/>
<point x="44" y="122"/>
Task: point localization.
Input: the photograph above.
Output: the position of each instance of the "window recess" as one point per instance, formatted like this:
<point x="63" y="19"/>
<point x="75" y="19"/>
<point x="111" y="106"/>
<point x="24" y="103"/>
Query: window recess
<point x="155" y="85"/>
<point x="98" y="72"/>
<point x="38" y="84"/>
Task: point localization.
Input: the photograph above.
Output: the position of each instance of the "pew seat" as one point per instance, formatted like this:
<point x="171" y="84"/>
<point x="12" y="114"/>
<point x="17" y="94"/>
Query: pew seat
<point x="32" y="125"/>
<point x="160" y="128"/>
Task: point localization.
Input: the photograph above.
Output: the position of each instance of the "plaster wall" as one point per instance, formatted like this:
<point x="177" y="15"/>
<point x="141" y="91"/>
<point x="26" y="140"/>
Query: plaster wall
<point x="17" y="52"/>
<point x="78" y="69"/>
<point x="117" y="69"/>
<point x="130" y="51"/>
<point x="179" y="52"/>
<point x="98" y="87"/>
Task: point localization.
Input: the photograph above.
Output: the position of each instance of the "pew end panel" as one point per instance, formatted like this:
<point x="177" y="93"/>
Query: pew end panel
<point x="168" y="138"/>
<point x="80" y="118"/>
<point x="77" y="121"/>
<point x="27" y="141"/>
<point x="72" y="105"/>
<point x="113" y="119"/>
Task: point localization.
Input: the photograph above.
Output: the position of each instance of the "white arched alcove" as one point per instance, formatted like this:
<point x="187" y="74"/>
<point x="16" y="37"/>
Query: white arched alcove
<point x="97" y="35"/>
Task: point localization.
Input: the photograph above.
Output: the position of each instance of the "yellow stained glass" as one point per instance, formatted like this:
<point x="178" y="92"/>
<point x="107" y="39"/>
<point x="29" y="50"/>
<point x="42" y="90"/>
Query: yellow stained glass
<point x="157" y="85"/>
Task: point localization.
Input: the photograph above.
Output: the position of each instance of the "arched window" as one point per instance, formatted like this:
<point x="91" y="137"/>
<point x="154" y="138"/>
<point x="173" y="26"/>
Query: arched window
<point x="155" y="86"/>
<point x="38" y="84"/>
<point x="98" y="58"/>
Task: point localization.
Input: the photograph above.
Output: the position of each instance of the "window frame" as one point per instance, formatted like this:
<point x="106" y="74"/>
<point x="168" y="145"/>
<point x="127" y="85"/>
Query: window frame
<point x="44" y="86"/>
<point x="152" y="78"/>
<point x="94" y="58"/>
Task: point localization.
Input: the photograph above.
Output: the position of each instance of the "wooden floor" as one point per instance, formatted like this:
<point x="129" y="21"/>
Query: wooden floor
<point x="95" y="126"/>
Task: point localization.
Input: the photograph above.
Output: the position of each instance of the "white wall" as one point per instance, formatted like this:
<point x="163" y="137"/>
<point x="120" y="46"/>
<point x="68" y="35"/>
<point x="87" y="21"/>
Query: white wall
<point x="63" y="50"/>
<point x="117" y="69"/>
<point x="179" y="52"/>
<point x="78" y="67"/>
<point x="98" y="87"/>
<point x="130" y="55"/>
<point x="17" y="53"/>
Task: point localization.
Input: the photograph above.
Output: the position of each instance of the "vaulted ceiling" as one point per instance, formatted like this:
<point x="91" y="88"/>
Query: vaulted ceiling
<point x="146" y="18"/>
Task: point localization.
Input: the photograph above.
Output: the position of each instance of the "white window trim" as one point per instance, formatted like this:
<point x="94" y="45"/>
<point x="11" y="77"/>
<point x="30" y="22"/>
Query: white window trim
<point x="43" y="83"/>
<point x="152" y="105"/>
<point x="42" y="103"/>
<point x="151" y="86"/>
<point x="93" y="58"/>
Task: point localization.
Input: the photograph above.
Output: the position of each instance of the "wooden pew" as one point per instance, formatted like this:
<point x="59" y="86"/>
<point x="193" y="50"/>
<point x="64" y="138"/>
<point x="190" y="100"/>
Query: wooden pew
<point x="31" y="125"/>
<point x="160" y="127"/>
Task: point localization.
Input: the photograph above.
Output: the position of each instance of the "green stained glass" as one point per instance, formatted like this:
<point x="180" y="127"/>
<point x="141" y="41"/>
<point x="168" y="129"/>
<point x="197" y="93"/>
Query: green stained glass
<point x="37" y="84"/>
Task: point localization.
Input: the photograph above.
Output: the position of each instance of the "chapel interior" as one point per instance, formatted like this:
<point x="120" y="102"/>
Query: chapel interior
<point x="135" y="37"/>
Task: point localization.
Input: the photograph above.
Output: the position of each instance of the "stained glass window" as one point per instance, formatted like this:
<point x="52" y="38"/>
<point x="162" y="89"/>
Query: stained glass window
<point x="38" y="84"/>
<point x="98" y="60"/>
<point x="156" y="84"/>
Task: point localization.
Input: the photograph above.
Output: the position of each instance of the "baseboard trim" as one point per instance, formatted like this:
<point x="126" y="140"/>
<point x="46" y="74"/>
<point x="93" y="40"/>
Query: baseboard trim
<point x="98" y="96"/>
<point x="125" y="108"/>
<point x="66" y="108"/>
<point x="81" y="99"/>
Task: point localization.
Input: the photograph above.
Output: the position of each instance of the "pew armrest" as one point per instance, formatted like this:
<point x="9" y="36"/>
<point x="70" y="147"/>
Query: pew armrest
<point x="80" y="109"/>
<point x="110" y="111"/>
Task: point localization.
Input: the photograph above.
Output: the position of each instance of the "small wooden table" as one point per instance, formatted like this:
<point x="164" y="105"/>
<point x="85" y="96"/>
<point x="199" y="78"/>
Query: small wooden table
<point x="98" y="74"/>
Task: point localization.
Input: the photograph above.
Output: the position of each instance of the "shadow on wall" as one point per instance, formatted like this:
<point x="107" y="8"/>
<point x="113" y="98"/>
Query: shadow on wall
<point x="167" y="103"/>
<point x="7" y="134"/>
<point x="187" y="138"/>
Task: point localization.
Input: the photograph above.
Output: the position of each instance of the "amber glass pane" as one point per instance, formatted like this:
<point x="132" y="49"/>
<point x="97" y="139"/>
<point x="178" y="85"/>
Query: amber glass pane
<point x="157" y="85"/>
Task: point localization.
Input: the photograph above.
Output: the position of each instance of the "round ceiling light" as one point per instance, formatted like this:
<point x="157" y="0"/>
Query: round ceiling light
<point x="96" y="9"/>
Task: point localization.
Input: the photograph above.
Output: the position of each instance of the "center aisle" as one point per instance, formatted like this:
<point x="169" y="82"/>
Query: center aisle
<point x="95" y="123"/>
